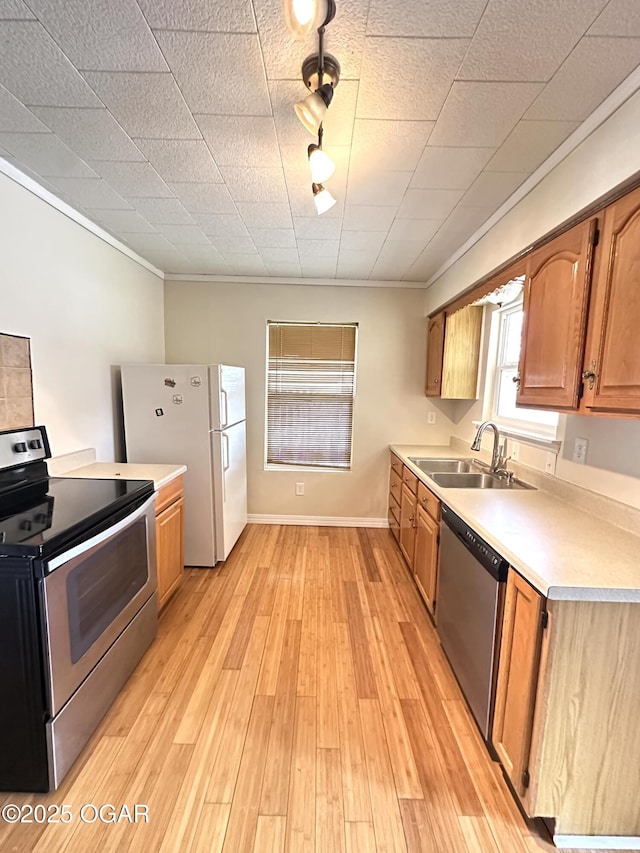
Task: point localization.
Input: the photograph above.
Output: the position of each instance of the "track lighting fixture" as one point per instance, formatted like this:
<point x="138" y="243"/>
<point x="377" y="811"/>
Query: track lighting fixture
<point x="312" y="110"/>
<point x="304" y="16"/>
<point x="321" y="166"/>
<point x="322" y="198"/>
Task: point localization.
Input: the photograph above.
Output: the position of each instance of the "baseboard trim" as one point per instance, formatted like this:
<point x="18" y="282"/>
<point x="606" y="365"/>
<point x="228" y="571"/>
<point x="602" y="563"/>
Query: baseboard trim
<point x="318" y="520"/>
<point x="597" y="842"/>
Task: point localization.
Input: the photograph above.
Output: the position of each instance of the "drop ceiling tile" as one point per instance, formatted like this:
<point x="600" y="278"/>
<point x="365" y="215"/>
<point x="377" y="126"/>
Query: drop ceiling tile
<point x="509" y="45"/>
<point x="387" y="96"/>
<point x="490" y="189"/>
<point x="319" y="267"/>
<point x="36" y="71"/>
<point x="146" y="105"/>
<point x="352" y="264"/>
<point x="46" y="155"/>
<point x="15" y="10"/>
<point x="216" y="16"/>
<point x="259" y="185"/>
<point x="143" y="243"/>
<point x="186" y="235"/>
<point x="338" y="122"/>
<point x="128" y="221"/>
<point x="618" y="18"/>
<point x="464" y="221"/>
<point x="393" y="145"/>
<point x="221" y="224"/>
<point x="317" y="227"/>
<point x="603" y="62"/>
<point x="204" y="198"/>
<point x="103" y="35"/>
<point x="264" y="216"/>
<point x="280" y="256"/>
<point x="91" y="193"/>
<point x="212" y="265"/>
<point x="415" y="18"/>
<point x="284" y="270"/>
<point x="92" y="133"/>
<point x="396" y="259"/>
<point x="234" y="245"/>
<point x="200" y="256"/>
<point x="414" y="229"/>
<point x="182" y="160"/>
<point x="359" y="217"/>
<point x="481" y="115"/>
<point x="16" y="118"/>
<point x="273" y="238"/>
<point x="283" y="55"/>
<point x="529" y="144"/>
<point x="368" y="241"/>
<point x="241" y="140"/>
<point x="133" y="180"/>
<point x="449" y="168"/>
<point x="206" y="67"/>
<point x="429" y="204"/>
<point x="162" y="211"/>
<point x="366" y="188"/>
<point x="323" y="249"/>
<point x="246" y="265"/>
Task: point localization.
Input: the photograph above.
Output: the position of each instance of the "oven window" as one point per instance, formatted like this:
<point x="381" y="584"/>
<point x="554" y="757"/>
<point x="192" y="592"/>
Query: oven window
<point x="103" y="584"/>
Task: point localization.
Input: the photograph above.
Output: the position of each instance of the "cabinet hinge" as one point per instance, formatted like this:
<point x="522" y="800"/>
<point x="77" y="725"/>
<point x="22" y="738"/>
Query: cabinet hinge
<point x="544" y="619"/>
<point x="526" y="779"/>
<point x="596" y="237"/>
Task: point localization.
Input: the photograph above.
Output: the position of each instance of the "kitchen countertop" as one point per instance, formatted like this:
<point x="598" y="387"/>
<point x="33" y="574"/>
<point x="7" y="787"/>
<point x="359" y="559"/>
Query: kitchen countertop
<point x="160" y="474"/>
<point x="565" y="553"/>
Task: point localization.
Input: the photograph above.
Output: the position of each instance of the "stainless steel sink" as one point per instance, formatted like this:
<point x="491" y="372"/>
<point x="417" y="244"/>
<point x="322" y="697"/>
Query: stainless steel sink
<point x="431" y="466"/>
<point x="476" y="481"/>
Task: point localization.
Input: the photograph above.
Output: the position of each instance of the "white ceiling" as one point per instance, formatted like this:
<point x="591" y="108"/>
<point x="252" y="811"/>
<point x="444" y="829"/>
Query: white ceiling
<point x="171" y="125"/>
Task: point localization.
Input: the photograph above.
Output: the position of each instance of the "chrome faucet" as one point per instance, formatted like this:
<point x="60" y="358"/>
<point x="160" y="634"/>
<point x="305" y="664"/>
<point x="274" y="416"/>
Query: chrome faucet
<point x="498" y="460"/>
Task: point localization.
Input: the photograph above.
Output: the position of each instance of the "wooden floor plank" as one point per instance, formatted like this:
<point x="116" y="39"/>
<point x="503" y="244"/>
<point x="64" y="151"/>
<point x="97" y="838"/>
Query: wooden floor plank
<point x="360" y="837"/>
<point x="417" y="827"/>
<point x="270" y="834"/>
<point x="363" y="667"/>
<point x="329" y="807"/>
<point x="301" y="814"/>
<point x="211" y="828"/>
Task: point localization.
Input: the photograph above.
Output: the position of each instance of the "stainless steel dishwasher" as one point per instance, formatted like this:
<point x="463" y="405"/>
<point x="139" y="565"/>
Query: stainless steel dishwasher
<point x="470" y="601"/>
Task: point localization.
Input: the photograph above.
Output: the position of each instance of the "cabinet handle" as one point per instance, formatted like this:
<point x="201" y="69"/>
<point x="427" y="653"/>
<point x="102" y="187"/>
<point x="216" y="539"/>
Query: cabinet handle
<point x="436" y="381"/>
<point x="516" y="379"/>
<point x="590" y="375"/>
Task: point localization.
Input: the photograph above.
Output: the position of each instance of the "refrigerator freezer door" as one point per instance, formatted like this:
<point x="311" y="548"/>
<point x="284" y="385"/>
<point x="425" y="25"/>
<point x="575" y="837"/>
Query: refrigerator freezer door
<point x="227" y="395"/>
<point x="166" y="416"/>
<point x="230" y="486"/>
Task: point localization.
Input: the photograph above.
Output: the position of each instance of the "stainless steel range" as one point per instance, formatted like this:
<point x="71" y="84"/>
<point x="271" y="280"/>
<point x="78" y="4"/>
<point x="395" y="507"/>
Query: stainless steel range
<point x="78" y="606"/>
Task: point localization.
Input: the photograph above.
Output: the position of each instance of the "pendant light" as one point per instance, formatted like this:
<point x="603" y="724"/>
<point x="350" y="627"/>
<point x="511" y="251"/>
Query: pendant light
<point x="304" y="16"/>
<point x="321" y="166"/>
<point x="322" y="198"/>
<point x="312" y="110"/>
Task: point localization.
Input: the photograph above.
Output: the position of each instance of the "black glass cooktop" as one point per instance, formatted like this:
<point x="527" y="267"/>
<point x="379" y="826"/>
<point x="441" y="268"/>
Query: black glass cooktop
<point x="42" y="517"/>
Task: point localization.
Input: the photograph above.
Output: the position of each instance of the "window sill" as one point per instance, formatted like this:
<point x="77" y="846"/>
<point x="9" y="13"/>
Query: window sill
<point x="553" y="445"/>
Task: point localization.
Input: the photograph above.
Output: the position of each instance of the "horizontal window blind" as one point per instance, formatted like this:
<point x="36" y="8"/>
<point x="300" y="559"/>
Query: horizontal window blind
<point x="310" y="391"/>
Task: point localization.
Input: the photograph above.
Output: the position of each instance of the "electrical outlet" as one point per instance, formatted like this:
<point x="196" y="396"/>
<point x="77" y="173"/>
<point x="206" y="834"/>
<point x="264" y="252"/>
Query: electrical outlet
<point x="431" y="418"/>
<point x="514" y="450"/>
<point x="580" y="450"/>
<point x="299" y="488"/>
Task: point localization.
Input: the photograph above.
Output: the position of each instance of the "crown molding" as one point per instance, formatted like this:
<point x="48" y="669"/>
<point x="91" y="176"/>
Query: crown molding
<point x="310" y="282"/>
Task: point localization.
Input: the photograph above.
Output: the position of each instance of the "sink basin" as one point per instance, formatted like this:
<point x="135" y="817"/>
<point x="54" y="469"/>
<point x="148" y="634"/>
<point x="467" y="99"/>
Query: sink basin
<point x="475" y="481"/>
<point x="430" y="466"/>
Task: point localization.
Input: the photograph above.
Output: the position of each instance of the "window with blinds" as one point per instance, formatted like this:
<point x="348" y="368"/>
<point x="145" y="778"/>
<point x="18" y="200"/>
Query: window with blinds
<point x="310" y="390"/>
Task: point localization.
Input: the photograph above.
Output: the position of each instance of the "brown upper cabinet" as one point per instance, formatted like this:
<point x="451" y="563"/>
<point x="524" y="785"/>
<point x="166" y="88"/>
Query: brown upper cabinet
<point x="453" y="354"/>
<point x="556" y="299"/>
<point x="612" y="361"/>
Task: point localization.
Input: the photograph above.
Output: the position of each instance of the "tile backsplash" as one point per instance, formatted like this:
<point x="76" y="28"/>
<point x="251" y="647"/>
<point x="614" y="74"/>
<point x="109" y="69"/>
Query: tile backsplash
<point x="16" y="388"/>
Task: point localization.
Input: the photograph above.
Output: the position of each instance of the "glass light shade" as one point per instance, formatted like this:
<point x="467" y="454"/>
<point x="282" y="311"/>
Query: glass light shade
<point x="321" y="166"/>
<point x="322" y="199"/>
<point x="311" y="112"/>
<point x="304" y="16"/>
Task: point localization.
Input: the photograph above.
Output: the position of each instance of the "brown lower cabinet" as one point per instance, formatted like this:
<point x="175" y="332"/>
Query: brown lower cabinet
<point x="426" y="556"/>
<point x="169" y="539"/>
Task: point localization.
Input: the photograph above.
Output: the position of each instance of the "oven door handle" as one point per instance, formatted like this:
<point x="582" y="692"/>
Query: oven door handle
<point x="109" y="533"/>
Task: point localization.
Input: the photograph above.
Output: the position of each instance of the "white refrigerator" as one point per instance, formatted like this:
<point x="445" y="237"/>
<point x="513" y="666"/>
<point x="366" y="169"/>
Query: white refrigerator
<point x="193" y="414"/>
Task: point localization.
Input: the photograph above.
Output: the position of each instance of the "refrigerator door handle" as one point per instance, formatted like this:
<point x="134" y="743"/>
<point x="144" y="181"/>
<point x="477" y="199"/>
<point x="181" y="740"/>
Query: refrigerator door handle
<point x="225" y="454"/>
<point x="224" y="398"/>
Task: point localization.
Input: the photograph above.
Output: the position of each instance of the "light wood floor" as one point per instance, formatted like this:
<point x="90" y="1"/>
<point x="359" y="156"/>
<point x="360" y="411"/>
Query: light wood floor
<point x="295" y="699"/>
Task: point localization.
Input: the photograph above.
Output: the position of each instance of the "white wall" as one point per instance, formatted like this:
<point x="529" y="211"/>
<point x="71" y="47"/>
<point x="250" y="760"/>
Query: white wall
<point x="85" y="306"/>
<point x="209" y="322"/>
<point x="606" y="158"/>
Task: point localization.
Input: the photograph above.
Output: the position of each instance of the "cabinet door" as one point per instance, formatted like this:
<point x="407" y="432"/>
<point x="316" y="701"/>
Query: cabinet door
<point x="517" y="678"/>
<point x="615" y="356"/>
<point x="556" y="298"/>
<point x="435" y="353"/>
<point x="462" y="353"/>
<point x="408" y="503"/>
<point x="425" y="566"/>
<point x="170" y="549"/>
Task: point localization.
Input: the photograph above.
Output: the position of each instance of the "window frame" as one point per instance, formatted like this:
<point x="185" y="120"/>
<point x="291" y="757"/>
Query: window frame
<point x="308" y="468"/>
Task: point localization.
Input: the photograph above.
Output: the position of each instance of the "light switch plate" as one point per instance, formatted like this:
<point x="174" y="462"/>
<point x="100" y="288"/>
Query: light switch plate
<point x="431" y="418"/>
<point x="299" y="488"/>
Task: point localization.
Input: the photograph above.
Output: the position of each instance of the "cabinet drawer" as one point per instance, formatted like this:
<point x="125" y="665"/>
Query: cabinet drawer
<point x="409" y="479"/>
<point x="394" y="510"/>
<point x="395" y="485"/>
<point x="396" y="464"/>
<point x="394" y="524"/>
<point x="168" y="494"/>
<point x="428" y="501"/>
